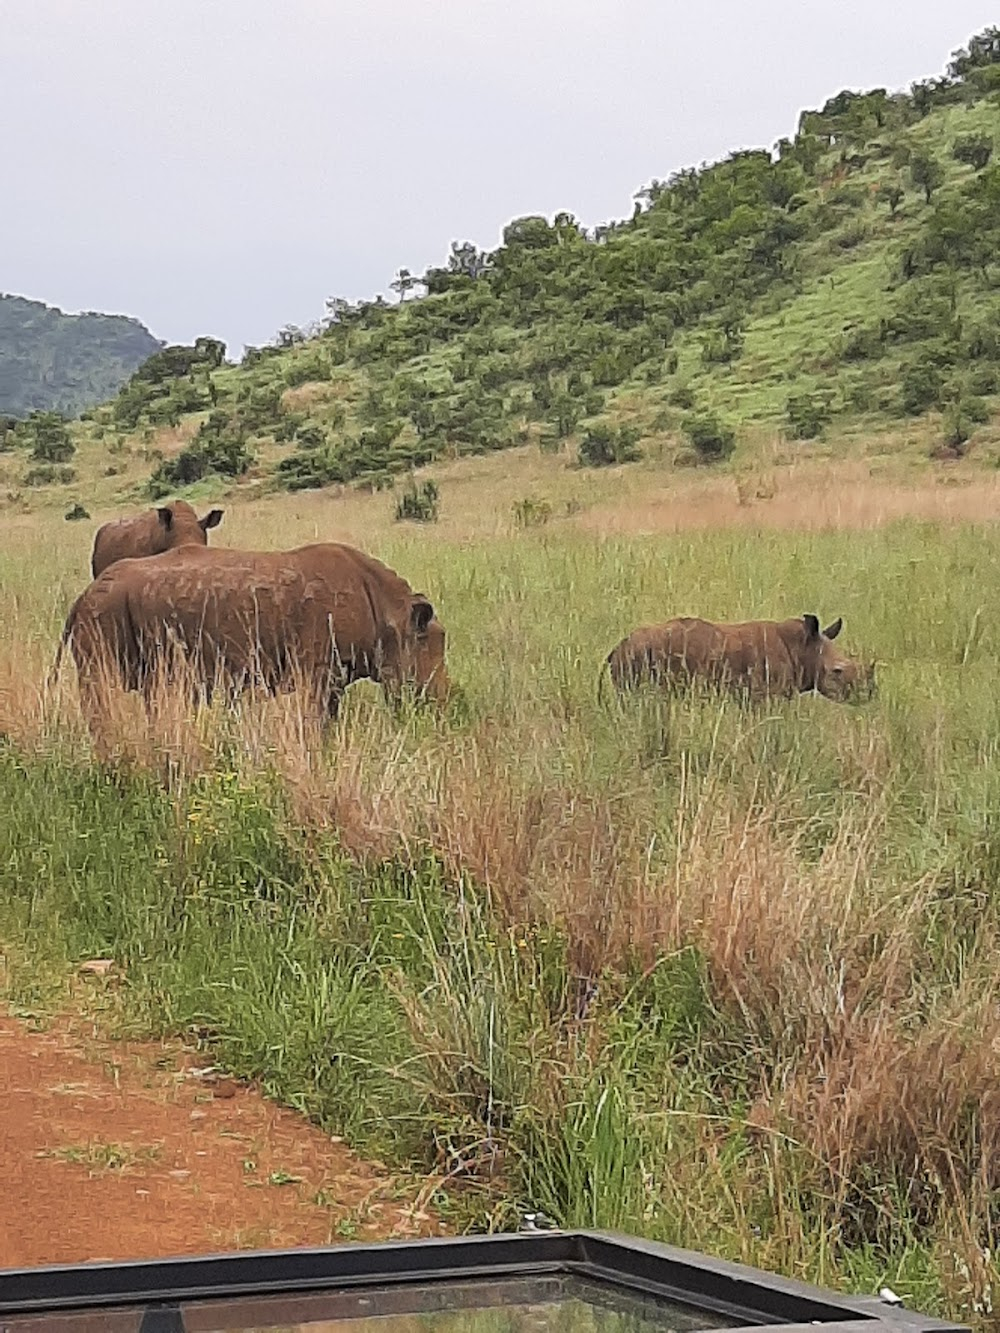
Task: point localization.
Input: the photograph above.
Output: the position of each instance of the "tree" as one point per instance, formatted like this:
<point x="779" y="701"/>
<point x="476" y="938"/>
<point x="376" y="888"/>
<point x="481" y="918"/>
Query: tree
<point x="210" y="351"/>
<point x="892" y="193"/>
<point x="926" y="173"/>
<point x="50" y="438"/>
<point x="975" y="150"/>
<point x="983" y="49"/>
<point x="713" y="440"/>
<point x="403" y="282"/>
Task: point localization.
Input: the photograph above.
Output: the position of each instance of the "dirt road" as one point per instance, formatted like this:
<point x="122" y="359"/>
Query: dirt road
<point x="112" y="1150"/>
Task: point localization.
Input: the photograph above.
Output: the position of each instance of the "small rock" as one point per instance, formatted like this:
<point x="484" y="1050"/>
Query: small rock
<point x="179" y="1174"/>
<point x="97" y="967"/>
<point x="225" y="1088"/>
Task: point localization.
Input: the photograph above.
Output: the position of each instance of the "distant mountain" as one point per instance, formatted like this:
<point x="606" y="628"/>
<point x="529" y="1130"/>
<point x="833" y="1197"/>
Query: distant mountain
<point x="65" y="363"/>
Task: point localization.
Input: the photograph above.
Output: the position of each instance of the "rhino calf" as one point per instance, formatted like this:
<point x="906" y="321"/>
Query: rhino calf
<point x="151" y="533"/>
<point x="760" y="658"/>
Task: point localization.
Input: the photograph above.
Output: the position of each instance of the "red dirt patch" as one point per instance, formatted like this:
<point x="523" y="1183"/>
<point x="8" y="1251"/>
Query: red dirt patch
<point x="119" y="1150"/>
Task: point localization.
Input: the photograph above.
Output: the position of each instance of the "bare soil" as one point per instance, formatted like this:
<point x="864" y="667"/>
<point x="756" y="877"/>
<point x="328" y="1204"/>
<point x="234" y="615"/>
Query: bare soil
<point x="128" y="1150"/>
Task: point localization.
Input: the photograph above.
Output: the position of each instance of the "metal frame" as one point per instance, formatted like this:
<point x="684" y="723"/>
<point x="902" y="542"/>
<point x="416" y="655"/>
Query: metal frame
<point x="748" y="1295"/>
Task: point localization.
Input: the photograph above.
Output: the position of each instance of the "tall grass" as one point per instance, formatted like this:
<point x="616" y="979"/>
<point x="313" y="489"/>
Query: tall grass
<point x="721" y="975"/>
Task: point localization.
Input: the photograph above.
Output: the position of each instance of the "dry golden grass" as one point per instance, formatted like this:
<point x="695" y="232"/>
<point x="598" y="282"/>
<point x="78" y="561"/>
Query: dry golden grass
<point x="877" y="1058"/>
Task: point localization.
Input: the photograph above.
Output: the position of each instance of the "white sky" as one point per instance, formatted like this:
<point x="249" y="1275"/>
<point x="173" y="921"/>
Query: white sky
<point x="222" y="166"/>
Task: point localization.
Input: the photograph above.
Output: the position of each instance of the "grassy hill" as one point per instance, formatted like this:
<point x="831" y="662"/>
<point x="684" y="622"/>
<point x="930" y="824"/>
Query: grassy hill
<point x="50" y="361"/>
<point x="843" y="285"/>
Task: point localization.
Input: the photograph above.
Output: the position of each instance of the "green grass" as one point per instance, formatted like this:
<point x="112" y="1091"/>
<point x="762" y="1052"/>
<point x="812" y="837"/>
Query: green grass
<point x="762" y="906"/>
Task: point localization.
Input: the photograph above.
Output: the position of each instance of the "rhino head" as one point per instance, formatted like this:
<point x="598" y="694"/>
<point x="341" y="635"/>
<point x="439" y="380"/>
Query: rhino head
<point x="829" y="671"/>
<point x="414" y="653"/>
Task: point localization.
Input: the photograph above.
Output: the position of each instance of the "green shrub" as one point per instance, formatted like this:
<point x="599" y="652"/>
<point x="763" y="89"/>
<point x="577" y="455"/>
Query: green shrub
<point x="682" y="397"/>
<point x="419" y="504"/>
<point x="712" y="440"/>
<point x="864" y="343"/>
<point x="219" y="447"/>
<point x="807" y="414"/>
<point x="311" y="469"/>
<point x="75" y="513"/>
<point x="603" y="446"/>
<point x="719" y="347"/>
<point x="260" y="408"/>
<point x="48" y="436"/>
<point x="310" y="436"/>
<point x="46" y="474"/>
<point x="306" y="369"/>
<point x="975" y="150"/>
<point x="983" y="379"/>
<point x="921" y="387"/>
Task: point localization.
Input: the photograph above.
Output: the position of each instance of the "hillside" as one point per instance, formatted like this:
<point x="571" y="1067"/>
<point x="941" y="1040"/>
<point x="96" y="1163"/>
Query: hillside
<point x="841" y="287"/>
<point x="50" y="361"/>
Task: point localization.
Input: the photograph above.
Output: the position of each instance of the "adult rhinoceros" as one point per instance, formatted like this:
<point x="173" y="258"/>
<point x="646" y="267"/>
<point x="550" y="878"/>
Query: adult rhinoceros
<point x="763" y="658"/>
<point x="318" y="618"/>
<point x="151" y="533"/>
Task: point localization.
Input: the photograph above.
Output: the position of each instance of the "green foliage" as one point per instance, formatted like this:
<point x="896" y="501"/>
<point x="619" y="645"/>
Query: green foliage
<point x="419" y="504"/>
<point x="922" y="385"/>
<point x="47" y="474"/>
<point x="604" y="445"/>
<point x="46" y="435"/>
<point x="64" y="363"/>
<point x="807" y="414"/>
<point x="926" y="173"/>
<point x="973" y="149"/>
<point x="713" y="440"/>
<point x="892" y="193"/>
<point x="961" y="416"/>
<point x="75" y="513"/>
<point x="219" y="447"/>
<point x="260" y="409"/>
<point x="179" y="362"/>
<point x="304" y="369"/>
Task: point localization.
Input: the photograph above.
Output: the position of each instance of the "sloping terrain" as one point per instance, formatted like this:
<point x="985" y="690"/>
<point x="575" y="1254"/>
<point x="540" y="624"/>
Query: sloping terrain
<point x="50" y="361"/>
<point x="843" y="285"/>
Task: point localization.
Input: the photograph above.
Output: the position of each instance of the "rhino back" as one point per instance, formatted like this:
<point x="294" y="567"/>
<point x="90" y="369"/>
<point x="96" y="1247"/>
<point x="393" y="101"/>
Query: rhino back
<point x="273" y="607"/>
<point x="123" y="539"/>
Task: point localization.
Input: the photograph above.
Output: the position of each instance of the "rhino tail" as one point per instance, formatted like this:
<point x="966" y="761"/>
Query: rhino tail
<point x="64" y="638"/>
<point x="602" y="681"/>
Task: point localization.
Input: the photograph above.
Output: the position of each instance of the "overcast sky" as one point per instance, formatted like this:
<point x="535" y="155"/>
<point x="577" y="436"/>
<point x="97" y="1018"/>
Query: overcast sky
<point x="222" y="166"/>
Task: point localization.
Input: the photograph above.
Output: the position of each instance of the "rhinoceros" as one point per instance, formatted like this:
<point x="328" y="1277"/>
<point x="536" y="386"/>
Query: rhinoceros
<point x="761" y="658"/>
<point x="318" y="617"/>
<point x="151" y="533"/>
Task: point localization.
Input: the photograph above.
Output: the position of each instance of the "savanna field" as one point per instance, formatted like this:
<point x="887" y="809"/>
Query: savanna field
<point x="722" y="976"/>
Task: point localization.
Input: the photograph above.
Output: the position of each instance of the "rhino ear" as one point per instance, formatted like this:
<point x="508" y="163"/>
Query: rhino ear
<point x="166" y="516"/>
<point x="421" y="614"/>
<point x="211" y="520"/>
<point x="812" y="626"/>
<point x="833" y="630"/>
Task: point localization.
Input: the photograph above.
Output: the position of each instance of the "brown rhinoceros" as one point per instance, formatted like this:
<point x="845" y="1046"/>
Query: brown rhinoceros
<point x="151" y="533"/>
<point x="762" y="658"/>
<point x="318" y="617"/>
